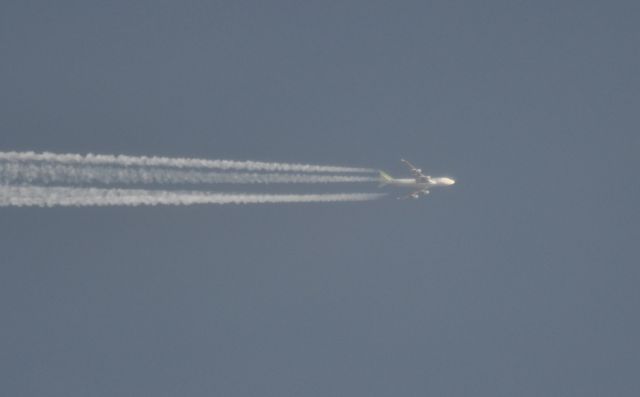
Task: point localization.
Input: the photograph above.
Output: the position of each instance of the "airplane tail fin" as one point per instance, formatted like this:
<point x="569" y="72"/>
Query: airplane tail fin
<point x="384" y="179"/>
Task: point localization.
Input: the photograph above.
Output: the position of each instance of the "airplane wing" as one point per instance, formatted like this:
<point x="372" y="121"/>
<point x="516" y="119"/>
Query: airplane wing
<point x="408" y="164"/>
<point x="415" y="172"/>
<point x="414" y="195"/>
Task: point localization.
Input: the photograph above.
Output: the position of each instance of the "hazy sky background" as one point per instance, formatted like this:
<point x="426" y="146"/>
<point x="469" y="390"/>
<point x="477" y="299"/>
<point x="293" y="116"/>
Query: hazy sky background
<point x="520" y="280"/>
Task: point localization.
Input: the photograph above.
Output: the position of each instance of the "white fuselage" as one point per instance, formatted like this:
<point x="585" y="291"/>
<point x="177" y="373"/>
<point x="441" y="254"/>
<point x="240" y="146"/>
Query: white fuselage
<point x="412" y="183"/>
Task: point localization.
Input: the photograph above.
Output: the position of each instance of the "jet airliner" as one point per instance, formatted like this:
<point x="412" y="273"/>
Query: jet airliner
<point x="420" y="184"/>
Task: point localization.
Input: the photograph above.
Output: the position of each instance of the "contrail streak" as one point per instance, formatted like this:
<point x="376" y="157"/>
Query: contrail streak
<point x="142" y="161"/>
<point x="22" y="196"/>
<point x="30" y="172"/>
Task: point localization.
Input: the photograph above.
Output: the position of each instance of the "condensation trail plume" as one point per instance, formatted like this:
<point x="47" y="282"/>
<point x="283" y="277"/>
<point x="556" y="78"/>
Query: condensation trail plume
<point x="38" y="173"/>
<point x="142" y="161"/>
<point x="21" y="196"/>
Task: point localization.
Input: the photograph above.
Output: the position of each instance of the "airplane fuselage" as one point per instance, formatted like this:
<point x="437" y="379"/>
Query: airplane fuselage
<point x="411" y="183"/>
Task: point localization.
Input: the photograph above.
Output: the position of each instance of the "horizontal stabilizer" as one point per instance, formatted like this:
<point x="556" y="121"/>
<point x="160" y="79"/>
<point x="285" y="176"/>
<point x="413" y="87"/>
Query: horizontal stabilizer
<point x="384" y="179"/>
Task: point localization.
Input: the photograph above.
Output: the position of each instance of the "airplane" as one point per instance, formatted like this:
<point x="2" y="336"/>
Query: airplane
<point x="420" y="183"/>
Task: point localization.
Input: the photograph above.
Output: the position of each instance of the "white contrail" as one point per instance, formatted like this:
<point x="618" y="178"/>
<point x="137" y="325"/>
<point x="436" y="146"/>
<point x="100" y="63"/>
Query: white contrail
<point x="21" y="196"/>
<point x="121" y="160"/>
<point x="38" y="173"/>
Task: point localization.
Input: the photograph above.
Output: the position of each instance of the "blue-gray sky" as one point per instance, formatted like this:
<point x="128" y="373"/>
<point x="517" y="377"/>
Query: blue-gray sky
<point x="520" y="280"/>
